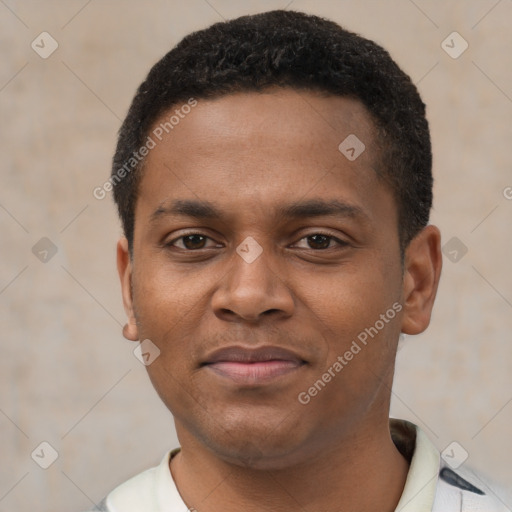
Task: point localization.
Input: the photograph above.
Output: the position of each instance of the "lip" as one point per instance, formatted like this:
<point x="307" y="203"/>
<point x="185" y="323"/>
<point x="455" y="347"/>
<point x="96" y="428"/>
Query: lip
<point x="252" y="366"/>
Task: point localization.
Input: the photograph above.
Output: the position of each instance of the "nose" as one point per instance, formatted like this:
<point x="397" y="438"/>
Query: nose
<point x="252" y="290"/>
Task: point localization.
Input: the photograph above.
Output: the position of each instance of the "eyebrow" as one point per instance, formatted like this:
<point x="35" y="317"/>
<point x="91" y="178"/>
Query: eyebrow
<point x="202" y="210"/>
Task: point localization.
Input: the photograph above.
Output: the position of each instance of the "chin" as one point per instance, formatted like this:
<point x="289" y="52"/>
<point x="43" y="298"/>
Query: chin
<point x="259" y="445"/>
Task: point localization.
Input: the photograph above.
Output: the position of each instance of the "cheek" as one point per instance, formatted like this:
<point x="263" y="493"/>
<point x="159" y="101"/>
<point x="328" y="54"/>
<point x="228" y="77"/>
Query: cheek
<point x="166" y="300"/>
<point x="359" y="315"/>
<point x="171" y="308"/>
<point x="349" y="301"/>
<point x="358" y="368"/>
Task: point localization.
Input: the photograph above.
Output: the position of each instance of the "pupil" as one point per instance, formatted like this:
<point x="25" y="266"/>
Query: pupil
<point x="325" y="245"/>
<point x="188" y="238"/>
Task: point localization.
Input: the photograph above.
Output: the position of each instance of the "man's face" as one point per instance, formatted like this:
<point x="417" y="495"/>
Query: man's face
<point x="200" y="284"/>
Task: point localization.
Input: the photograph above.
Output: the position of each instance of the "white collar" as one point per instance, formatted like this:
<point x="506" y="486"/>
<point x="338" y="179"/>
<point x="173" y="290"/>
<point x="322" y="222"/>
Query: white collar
<point x="420" y="486"/>
<point x="155" y="490"/>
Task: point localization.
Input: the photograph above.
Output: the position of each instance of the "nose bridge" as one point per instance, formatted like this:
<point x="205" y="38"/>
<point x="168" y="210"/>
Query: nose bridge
<point x="251" y="286"/>
<point x="251" y="271"/>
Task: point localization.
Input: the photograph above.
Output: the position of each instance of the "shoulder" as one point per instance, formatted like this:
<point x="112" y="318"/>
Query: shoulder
<point x="148" y="490"/>
<point x="433" y="484"/>
<point x="466" y="490"/>
<point x="134" y="494"/>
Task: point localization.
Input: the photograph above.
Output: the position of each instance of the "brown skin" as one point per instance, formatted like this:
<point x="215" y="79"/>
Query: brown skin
<point x="258" y="448"/>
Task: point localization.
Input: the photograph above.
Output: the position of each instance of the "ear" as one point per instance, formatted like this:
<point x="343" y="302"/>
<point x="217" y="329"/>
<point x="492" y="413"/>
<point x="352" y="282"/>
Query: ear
<point x="124" y="268"/>
<point x="422" y="270"/>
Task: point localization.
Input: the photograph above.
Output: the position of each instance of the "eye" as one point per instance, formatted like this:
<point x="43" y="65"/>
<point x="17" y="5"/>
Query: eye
<point x="322" y="241"/>
<point x="197" y="241"/>
<point x="190" y="241"/>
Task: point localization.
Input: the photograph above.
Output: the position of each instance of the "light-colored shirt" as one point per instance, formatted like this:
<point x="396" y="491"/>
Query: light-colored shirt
<point x="431" y="484"/>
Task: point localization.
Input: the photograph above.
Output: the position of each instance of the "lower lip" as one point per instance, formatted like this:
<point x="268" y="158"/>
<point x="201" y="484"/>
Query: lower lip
<point x="254" y="373"/>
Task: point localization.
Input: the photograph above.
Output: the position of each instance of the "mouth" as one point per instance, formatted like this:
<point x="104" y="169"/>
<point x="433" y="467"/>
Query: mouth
<point x="253" y="366"/>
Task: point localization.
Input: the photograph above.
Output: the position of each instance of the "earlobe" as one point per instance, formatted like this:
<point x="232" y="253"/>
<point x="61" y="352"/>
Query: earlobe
<point x="124" y="268"/>
<point x="130" y="331"/>
<point x="423" y="263"/>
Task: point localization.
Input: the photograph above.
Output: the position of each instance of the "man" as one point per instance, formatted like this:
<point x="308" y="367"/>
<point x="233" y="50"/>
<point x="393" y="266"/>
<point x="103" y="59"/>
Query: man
<point x="273" y="178"/>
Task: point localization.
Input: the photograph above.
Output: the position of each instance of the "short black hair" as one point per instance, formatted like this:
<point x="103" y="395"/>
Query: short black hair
<point x="294" y="50"/>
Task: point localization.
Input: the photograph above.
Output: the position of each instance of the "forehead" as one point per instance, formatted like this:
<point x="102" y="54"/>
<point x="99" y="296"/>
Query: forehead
<point x="252" y="149"/>
<point x="275" y="116"/>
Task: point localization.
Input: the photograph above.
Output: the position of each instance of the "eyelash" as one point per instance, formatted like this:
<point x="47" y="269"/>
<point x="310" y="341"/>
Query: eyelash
<point x="341" y="243"/>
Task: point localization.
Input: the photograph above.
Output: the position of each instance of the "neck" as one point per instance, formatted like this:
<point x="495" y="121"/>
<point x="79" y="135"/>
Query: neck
<point x="361" y="472"/>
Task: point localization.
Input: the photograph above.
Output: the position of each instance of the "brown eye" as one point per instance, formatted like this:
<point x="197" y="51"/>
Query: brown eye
<point x="194" y="241"/>
<point x="190" y="242"/>
<point x="319" y="241"/>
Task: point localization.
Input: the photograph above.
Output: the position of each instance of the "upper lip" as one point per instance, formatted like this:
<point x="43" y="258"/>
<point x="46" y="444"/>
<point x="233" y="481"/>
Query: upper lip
<point x="241" y="354"/>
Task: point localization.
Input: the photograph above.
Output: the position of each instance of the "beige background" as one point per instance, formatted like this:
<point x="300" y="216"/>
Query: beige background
<point x="67" y="375"/>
